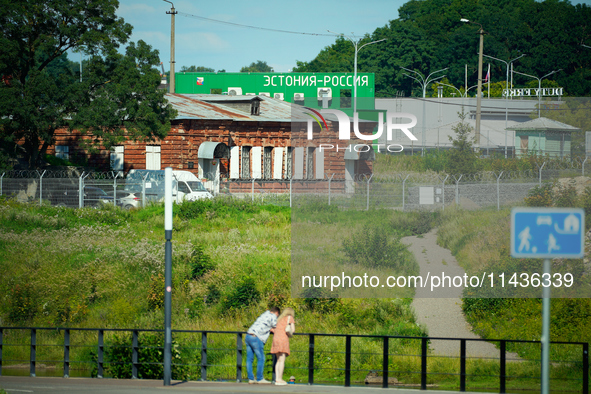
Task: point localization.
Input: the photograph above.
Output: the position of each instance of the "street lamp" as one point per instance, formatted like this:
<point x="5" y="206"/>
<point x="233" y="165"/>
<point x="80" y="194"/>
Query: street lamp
<point x="450" y="86"/>
<point x="424" y="82"/>
<point x="479" y="94"/>
<point x="459" y="91"/>
<point x="467" y="90"/>
<point x="507" y="95"/>
<point x="357" y="49"/>
<point x="172" y="13"/>
<point x="539" y="85"/>
<point x="507" y="64"/>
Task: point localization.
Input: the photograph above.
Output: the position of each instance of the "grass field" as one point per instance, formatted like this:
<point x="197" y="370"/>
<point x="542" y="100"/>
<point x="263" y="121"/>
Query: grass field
<point x="231" y="260"/>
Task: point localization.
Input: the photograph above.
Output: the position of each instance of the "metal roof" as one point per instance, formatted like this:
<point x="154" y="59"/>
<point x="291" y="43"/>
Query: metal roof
<point x="543" y="124"/>
<point x="212" y="107"/>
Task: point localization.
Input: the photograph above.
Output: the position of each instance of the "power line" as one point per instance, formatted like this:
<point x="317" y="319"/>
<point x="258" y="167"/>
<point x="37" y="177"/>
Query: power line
<point x="253" y="27"/>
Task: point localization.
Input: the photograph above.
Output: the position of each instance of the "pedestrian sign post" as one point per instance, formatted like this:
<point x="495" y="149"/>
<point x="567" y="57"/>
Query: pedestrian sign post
<point x="547" y="233"/>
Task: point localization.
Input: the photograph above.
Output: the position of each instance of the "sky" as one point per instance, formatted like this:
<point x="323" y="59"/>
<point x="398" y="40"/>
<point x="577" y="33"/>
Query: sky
<point x="229" y="47"/>
<point x="222" y="46"/>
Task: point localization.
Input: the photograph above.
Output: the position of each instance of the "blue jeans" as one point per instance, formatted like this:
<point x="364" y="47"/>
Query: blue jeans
<point x="254" y="346"/>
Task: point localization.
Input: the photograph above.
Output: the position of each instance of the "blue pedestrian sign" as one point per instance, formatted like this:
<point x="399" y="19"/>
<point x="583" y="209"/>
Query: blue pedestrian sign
<point x="547" y="232"/>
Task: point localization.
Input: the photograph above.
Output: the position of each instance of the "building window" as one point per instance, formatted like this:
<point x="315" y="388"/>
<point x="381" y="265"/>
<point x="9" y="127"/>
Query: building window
<point x="246" y="162"/>
<point x="267" y="154"/>
<point x="310" y="164"/>
<point x="153" y="157"/>
<point x="117" y="158"/>
<point x="255" y="107"/>
<point x="288" y="162"/>
<point x="62" y="152"/>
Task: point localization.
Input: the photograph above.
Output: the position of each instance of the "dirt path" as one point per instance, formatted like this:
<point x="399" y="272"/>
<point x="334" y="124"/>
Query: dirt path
<point x="443" y="317"/>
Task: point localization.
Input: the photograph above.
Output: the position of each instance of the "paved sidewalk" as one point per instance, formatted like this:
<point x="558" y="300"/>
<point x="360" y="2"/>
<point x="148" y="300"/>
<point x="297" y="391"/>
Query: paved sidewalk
<point x="443" y="316"/>
<point x="20" y="384"/>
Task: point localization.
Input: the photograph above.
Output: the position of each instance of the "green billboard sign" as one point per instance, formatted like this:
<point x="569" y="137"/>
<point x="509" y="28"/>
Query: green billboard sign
<point x="291" y="87"/>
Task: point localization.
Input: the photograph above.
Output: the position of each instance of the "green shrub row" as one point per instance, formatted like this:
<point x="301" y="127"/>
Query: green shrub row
<point x="447" y="161"/>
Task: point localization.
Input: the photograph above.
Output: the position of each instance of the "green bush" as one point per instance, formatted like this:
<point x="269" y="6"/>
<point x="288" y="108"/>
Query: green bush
<point x="436" y="160"/>
<point x="213" y="294"/>
<point x="200" y="263"/>
<point x="414" y="223"/>
<point x="540" y="196"/>
<point x="244" y="294"/>
<point x="375" y="248"/>
<point x="195" y="308"/>
<point x="193" y="209"/>
<point x="565" y="196"/>
<point x="213" y="207"/>
<point x="475" y="306"/>
<point x="22" y="305"/>
<point x="319" y="300"/>
<point x="118" y="357"/>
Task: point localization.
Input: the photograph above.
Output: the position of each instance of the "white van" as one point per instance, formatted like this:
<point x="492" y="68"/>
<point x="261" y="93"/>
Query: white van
<point x="185" y="187"/>
<point x="188" y="187"/>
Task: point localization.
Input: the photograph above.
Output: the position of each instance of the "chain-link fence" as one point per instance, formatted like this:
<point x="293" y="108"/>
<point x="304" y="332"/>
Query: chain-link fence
<point x="74" y="189"/>
<point x="406" y="191"/>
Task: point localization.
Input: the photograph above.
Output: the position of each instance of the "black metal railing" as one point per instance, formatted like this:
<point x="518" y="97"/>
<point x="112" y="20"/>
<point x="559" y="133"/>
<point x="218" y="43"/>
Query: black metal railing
<point x="101" y="347"/>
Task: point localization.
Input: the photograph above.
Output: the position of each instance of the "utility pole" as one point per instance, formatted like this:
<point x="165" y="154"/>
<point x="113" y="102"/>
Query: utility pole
<point x="479" y="94"/>
<point x="172" y="13"/>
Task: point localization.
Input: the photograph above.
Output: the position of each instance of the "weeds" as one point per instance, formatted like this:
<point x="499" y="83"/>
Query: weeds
<point x="91" y="269"/>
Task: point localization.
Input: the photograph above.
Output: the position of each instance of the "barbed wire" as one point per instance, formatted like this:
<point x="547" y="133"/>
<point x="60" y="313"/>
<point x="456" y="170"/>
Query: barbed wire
<point x="553" y="170"/>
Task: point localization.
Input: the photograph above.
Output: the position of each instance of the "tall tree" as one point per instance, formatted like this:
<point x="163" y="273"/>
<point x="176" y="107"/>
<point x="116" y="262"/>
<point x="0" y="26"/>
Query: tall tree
<point x="428" y="36"/>
<point x="40" y="92"/>
<point x="258" y="67"/>
<point x="461" y="157"/>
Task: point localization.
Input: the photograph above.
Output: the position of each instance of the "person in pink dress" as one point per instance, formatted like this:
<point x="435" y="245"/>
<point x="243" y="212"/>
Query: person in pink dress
<point x="280" y="346"/>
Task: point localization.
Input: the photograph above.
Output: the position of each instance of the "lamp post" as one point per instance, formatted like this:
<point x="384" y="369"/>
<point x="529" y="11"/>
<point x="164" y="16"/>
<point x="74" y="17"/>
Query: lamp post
<point x="459" y="91"/>
<point x="539" y="85"/>
<point x="507" y="95"/>
<point x="172" y="13"/>
<point x="479" y="94"/>
<point x="424" y="82"/>
<point x="450" y="86"/>
<point x="357" y="49"/>
<point x="440" y="96"/>
<point x="167" y="274"/>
